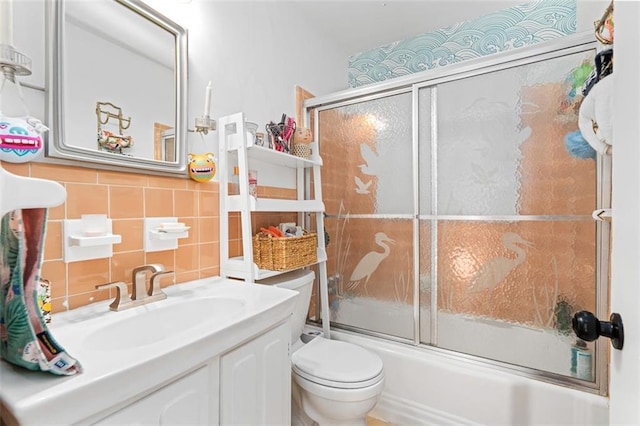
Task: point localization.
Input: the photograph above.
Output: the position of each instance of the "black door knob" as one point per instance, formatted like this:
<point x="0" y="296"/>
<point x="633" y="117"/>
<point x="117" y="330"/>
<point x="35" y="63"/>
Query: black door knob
<point x="589" y="328"/>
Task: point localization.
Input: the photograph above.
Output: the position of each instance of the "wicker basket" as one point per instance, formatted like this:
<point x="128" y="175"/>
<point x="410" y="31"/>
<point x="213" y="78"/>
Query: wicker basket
<point x="301" y="150"/>
<point x="281" y="254"/>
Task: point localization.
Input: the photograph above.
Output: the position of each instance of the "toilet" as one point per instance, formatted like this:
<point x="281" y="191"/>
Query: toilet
<point x="333" y="382"/>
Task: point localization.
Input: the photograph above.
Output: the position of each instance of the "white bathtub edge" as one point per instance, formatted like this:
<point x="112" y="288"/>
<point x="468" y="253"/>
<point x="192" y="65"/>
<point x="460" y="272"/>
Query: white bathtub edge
<point x="401" y="411"/>
<point x="432" y="389"/>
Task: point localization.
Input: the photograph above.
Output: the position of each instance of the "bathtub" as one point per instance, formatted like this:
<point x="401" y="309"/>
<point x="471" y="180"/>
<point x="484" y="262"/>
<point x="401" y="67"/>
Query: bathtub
<point x="427" y="387"/>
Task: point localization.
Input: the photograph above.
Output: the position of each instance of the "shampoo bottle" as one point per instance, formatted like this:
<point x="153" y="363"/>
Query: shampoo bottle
<point x="581" y="361"/>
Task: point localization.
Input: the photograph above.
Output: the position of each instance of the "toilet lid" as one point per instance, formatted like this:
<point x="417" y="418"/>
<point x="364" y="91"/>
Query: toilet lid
<point x="336" y="363"/>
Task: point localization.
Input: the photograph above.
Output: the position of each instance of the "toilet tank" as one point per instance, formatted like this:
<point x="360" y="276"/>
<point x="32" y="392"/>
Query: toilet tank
<point x="300" y="280"/>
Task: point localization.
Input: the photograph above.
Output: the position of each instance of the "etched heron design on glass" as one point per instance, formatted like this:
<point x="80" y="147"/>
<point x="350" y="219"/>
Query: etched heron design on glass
<point x="497" y="269"/>
<point x="369" y="263"/>
<point x="362" y="187"/>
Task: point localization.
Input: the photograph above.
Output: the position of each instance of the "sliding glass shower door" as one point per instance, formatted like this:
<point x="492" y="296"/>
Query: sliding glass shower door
<point x="367" y="191"/>
<point x="460" y="218"/>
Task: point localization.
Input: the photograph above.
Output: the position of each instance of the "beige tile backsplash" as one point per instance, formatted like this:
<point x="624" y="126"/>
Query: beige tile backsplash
<point x="127" y="198"/>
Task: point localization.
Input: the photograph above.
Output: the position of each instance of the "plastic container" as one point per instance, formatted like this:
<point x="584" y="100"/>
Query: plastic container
<point x="253" y="183"/>
<point x="581" y="361"/>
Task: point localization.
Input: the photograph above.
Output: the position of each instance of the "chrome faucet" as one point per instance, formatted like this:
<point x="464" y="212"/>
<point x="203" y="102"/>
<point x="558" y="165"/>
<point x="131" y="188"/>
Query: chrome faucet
<point x="141" y="293"/>
<point x="122" y="300"/>
<point x="139" y="280"/>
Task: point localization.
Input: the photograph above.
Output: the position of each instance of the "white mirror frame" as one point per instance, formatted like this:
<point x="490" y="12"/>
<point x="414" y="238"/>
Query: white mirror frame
<point x="55" y="106"/>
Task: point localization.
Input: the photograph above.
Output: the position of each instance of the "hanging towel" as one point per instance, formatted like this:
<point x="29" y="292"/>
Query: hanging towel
<point x="24" y="337"/>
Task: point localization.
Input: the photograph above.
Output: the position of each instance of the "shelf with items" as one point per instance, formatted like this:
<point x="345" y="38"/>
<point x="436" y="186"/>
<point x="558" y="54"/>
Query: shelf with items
<point x="236" y="267"/>
<point x="236" y="151"/>
<point x="236" y="204"/>
<point x="278" y="158"/>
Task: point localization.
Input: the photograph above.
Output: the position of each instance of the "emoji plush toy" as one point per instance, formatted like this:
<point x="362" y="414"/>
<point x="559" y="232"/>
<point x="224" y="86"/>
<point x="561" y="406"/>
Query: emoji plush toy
<point x="302" y="135"/>
<point x="201" y="167"/>
<point x="20" y="138"/>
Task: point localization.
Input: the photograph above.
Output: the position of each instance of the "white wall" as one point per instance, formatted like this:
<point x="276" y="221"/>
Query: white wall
<point x="254" y="53"/>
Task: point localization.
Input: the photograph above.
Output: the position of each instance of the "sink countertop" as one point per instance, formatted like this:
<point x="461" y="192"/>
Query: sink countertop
<point x="114" y="375"/>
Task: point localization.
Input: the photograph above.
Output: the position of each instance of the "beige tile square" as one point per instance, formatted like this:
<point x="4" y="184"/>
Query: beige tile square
<point x="55" y="272"/>
<point x="167" y="280"/>
<point x="209" y="255"/>
<point x="126" y="202"/>
<point x="193" y="224"/>
<point x="164" y="258"/>
<point x="78" y="300"/>
<point x="210" y="272"/>
<point x="131" y="231"/>
<point x="85" y="275"/>
<point x="20" y="169"/>
<point x="208" y="228"/>
<point x="122" y="265"/>
<point x="53" y="240"/>
<point x="208" y="203"/>
<point x="158" y="202"/>
<point x="186" y="203"/>
<point x="185" y="277"/>
<point x="86" y="199"/>
<point x="167" y="182"/>
<point x="187" y="259"/>
<point x="64" y="173"/>
<point x="59" y="305"/>
<point x="122" y="179"/>
<point x="234" y="227"/>
<point x="57" y="212"/>
<point x="211" y="186"/>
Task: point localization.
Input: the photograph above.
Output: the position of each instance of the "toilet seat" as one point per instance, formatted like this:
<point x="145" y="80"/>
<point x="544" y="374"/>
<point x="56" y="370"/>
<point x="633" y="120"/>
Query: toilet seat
<point x="337" y="364"/>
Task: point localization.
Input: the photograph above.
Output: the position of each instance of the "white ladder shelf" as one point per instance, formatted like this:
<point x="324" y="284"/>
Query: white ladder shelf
<point x="236" y="147"/>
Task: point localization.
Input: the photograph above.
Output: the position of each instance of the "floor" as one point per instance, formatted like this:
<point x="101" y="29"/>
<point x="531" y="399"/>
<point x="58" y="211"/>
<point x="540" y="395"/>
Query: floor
<point x="372" y="421"/>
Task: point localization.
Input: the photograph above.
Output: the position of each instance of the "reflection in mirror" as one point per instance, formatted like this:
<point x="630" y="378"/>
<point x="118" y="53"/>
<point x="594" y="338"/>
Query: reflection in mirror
<point x="117" y="86"/>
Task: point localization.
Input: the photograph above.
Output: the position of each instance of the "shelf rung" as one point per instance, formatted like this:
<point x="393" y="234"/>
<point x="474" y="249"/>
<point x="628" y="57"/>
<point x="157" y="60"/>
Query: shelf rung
<point x="272" y="205"/>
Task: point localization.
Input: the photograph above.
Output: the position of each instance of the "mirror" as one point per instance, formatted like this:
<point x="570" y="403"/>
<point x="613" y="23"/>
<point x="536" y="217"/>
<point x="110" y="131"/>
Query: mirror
<point x="117" y="85"/>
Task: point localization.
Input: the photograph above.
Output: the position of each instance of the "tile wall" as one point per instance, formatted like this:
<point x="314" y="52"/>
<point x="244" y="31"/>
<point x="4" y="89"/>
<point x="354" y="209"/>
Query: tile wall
<point x="127" y="198"/>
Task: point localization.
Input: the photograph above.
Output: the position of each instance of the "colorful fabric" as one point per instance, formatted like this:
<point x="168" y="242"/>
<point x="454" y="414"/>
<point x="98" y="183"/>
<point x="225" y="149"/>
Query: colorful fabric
<point x="24" y="338"/>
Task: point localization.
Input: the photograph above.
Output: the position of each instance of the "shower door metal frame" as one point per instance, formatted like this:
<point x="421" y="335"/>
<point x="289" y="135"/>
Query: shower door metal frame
<point x="431" y="79"/>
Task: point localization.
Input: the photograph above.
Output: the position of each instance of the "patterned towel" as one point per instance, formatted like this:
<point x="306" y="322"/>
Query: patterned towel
<point x="24" y="338"/>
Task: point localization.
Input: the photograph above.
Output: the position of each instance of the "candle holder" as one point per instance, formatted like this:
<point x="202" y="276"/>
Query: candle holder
<point x="204" y="124"/>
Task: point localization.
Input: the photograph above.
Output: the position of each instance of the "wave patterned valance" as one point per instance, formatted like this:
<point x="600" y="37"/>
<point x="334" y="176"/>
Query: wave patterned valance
<point x="508" y="29"/>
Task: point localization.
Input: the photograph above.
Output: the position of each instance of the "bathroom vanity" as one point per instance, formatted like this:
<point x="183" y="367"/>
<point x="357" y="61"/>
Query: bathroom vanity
<point x="216" y="351"/>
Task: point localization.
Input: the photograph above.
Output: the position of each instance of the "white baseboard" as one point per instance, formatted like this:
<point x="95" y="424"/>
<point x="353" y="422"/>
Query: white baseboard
<point x="403" y="412"/>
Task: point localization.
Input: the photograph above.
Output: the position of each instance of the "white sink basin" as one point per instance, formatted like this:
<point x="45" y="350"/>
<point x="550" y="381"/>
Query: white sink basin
<point x="165" y="322"/>
<point x="134" y="352"/>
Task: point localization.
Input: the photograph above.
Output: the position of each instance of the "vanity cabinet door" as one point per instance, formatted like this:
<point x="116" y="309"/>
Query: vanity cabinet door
<point x="182" y="402"/>
<point x="255" y="381"/>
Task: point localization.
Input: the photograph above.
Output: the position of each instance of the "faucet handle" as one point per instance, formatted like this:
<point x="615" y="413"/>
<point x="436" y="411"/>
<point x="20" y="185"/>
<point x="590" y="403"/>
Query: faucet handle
<point x="122" y="300"/>
<point x="154" y="288"/>
<point x="139" y="279"/>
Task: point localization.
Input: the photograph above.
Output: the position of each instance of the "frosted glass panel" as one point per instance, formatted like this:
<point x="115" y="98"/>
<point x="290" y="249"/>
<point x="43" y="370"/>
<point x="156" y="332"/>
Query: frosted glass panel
<point x="507" y="291"/>
<point x="424" y="149"/>
<point x="507" y="249"/>
<point x="371" y="274"/>
<point x="426" y="279"/>
<point x="501" y="148"/>
<point x="366" y="148"/>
